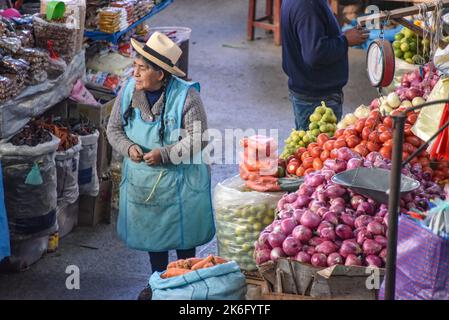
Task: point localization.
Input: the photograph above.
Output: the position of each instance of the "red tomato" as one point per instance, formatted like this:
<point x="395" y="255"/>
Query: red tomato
<point x="325" y="155"/>
<point x="352" y="141"/>
<point x="374" y="114"/>
<point x="339" y="143"/>
<point x="370" y="123"/>
<point x="311" y="146"/>
<point x="362" y="150"/>
<point x="300" y="171"/>
<point x="364" y="142"/>
<point x="305" y="155"/>
<point x="385" y="136"/>
<point x="315" y="152"/>
<point x="425" y="162"/>
<point x="415" y="141"/>
<point x="374" y="137"/>
<point x="382" y="128"/>
<point x="409" y="148"/>
<point x="385" y="152"/>
<point x="321" y="139"/>
<point x="372" y="146"/>
<point x="308" y="171"/>
<point x="388" y="122"/>
<point x="405" y="155"/>
<point x="388" y="143"/>
<point x="334" y="154"/>
<point x="365" y="133"/>
<point x="408" y="130"/>
<point x="317" y="164"/>
<point x="329" y="145"/>
<point x="307" y="163"/>
<point x="292" y="167"/>
<point x="359" y="125"/>
<point x="350" y="132"/>
<point x="427" y="170"/>
<point x="299" y="152"/>
<point x="339" y="133"/>
<point x="412" y="117"/>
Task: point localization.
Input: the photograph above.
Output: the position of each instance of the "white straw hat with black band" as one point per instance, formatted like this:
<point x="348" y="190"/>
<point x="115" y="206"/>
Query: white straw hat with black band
<point x="162" y="51"/>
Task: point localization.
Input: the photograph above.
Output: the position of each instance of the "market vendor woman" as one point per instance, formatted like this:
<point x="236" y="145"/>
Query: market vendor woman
<point x="164" y="204"/>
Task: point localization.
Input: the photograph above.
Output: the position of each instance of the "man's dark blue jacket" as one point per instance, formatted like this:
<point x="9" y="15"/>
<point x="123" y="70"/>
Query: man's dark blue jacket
<point x="314" y="51"/>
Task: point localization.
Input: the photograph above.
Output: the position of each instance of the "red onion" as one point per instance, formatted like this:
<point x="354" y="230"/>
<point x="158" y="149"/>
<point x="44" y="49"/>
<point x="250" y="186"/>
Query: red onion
<point x="287" y="226"/>
<point x="284" y="214"/>
<point x="305" y="190"/>
<point x="371" y="247"/>
<point x="275" y="239"/>
<point x="327" y="234"/>
<point x="337" y="208"/>
<point x="372" y="156"/>
<point x="412" y="93"/>
<point x="334" y="259"/>
<point x="302" y="257"/>
<point x="281" y="204"/>
<point x="316" y="180"/>
<point x="362" y="235"/>
<point x="310" y="250"/>
<point x="302" y="233"/>
<point x="343" y="231"/>
<point x="291" y="246"/>
<point x="354" y="163"/>
<point x="344" y="154"/>
<point x="338" y="200"/>
<point x="302" y="201"/>
<point x="349" y="247"/>
<point x="319" y="260"/>
<point x="263" y="256"/>
<point x="310" y="219"/>
<point x="352" y="260"/>
<point x="322" y="211"/>
<point x="315" y="241"/>
<point x="262" y="242"/>
<point x="277" y="253"/>
<point x="297" y="214"/>
<point x="327" y="247"/>
<point x="366" y="207"/>
<point x="373" y="261"/>
<point x="335" y="191"/>
<point x="347" y="219"/>
<point x="330" y="217"/>
<point x="324" y="224"/>
<point x="383" y="255"/>
<point x="291" y="197"/>
<point x="375" y="228"/>
<point x="315" y="205"/>
<point x="329" y="164"/>
<point x="381" y="240"/>
<point x="328" y="174"/>
<point x="362" y="221"/>
<point x="340" y="166"/>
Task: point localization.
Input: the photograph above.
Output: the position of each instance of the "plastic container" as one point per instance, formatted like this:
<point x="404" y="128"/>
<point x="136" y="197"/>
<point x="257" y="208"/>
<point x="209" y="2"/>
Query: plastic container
<point x="181" y="36"/>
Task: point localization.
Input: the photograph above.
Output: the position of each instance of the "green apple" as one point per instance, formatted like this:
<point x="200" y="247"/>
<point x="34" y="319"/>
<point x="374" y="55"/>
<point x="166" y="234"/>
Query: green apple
<point x="316" y="132"/>
<point x="313" y="125"/>
<point x="301" y="133"/>
<point x="396" y="45"/>
<point x="408" y="55"/>
<point x="321" y="110"/>
<point x="247" y="247"/>
<point x="398" y="53"/>
<point x="398" y="36"/>
<point x="405" y="47"/>
<point x="409" y="61"/>
<point x="258" y="226"/>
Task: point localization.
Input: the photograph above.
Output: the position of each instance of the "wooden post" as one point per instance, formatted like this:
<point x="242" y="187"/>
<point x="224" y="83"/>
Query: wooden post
<point x="277" y="22"/>
<point x="251" y="18"/>
<point x="269" y="9"/>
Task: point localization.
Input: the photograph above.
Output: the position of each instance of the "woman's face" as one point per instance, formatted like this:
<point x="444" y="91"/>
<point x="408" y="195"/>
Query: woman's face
<point x="146" y="77"/>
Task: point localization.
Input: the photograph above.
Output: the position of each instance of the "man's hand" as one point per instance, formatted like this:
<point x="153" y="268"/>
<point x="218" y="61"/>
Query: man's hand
<point x="135" y="153"/>
<point x="153" y="157"/>
<point x="356" y="36"/>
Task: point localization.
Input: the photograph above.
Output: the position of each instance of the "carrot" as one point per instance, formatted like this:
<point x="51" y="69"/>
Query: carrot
<point x="202" y="263"/>
<point x="219" y="260"/>
<point x="193" y="261"/>
<point x="177" y="264"/>
<point x="208" y="265"/>
<point x="173" y="272"/>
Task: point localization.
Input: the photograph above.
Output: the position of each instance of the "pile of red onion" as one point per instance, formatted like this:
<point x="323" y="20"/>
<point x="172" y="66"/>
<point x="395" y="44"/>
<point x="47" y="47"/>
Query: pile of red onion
<point x="415" y="84"/>
<point x="325" y="224"/>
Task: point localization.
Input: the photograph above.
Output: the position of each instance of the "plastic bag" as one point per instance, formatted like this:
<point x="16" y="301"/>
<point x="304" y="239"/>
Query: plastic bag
<point x="87" y="175"/>
<point x="422" y="264"/>
<point x="440" y="148"/>
<point x="31" y="207"/>
<point x="429" y="118"/>
<point x="67" y="163"/>
<point x="221" y="282"/>
<point x="441" y="60"/>
<point x="81" y="95"/>
<point x="4" y="231"/>
<point x="438" y="219"/>
<point x="241" y="215"/>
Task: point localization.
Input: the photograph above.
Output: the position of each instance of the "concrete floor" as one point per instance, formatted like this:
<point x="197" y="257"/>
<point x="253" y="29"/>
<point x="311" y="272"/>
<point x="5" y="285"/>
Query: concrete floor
<point x="243" y="86"/>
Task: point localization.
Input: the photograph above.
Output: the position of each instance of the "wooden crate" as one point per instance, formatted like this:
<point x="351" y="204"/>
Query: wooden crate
<point x="310" y="283"/>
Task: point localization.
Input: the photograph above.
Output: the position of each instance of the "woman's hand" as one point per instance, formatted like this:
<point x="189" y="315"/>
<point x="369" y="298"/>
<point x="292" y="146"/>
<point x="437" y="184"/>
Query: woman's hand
<point x="135" y="153"/>
<point x="153" y="157"/>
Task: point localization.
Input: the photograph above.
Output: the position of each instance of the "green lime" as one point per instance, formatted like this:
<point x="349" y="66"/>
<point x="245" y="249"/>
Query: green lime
<point x="412" y="46"/>
<point x="408" y="55"/>
<point x="301" y="133"/>
<point x="315" y="117"/>
<point x="396" y="45"/>
<point x="306" y="139"/>
<point x="405" y="47"/>
<point x="409" y="61"/>
<point x="313" y="125"/>
<point x="316" y="132"/>
<point x="398" y="53"/>
<point x="398" y="36"/>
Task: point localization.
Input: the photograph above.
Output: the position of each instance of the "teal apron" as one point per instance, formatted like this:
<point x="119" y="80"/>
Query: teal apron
<point x="163" y="207"/>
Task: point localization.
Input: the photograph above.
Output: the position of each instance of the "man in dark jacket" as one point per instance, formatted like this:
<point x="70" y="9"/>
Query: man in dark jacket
<point x="315" y="56"/>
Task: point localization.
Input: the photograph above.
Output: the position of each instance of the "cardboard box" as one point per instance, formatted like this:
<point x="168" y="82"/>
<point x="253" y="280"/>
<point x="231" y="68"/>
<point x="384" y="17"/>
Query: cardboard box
<point x="93" y="210"/>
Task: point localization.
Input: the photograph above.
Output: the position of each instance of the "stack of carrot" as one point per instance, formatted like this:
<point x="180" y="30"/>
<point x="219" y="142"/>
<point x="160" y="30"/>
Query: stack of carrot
<point x="183" y="266"/>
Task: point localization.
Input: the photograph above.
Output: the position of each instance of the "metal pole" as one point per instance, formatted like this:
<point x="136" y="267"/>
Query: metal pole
<point x="393" y="204"/>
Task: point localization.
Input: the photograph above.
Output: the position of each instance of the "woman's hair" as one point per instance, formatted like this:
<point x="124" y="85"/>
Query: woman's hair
<point x="167" y="77"/>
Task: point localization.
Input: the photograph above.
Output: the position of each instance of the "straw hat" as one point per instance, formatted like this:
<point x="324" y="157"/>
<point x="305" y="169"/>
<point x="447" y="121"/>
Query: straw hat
<point x="160" y="50"/>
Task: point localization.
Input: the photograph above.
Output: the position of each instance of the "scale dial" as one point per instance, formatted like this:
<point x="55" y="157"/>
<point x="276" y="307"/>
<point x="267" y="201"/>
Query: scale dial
<point x="380" y="63"/>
